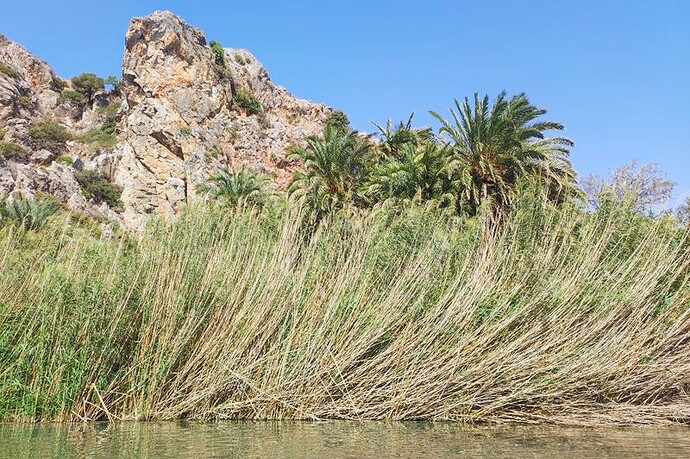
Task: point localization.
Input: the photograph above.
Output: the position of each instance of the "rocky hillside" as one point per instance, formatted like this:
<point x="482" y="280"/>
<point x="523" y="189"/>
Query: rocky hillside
<point x="181" y="113"/>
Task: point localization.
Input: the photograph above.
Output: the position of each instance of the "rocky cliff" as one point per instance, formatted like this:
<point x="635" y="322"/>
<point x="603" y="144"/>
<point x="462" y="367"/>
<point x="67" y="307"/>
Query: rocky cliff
<point x="179" y="115"/>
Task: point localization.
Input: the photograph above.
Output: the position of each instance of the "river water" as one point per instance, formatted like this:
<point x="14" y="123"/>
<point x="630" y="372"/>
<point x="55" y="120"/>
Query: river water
<point x="334" y="439"/>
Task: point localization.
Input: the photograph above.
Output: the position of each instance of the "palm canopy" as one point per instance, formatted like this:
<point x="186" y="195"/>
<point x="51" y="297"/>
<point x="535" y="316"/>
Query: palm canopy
<point x="494" y="145"/>
<point x="239" y="188"/>
<point x="335" y="166"/>
<point x="394" y="138"/>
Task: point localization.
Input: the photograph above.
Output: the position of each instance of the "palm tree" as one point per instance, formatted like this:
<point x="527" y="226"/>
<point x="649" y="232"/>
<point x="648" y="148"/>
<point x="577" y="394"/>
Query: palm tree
<point x="415" y="174"/>
<point x="29" y="213"/>
<point x="494" y="146"/>
<point x="394" y="138"/>
<point x="245" y="187"/>
<point x="335" y="166"/>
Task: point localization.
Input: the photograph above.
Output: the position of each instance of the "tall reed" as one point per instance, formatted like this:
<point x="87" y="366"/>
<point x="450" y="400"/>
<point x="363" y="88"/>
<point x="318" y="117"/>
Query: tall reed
<point x="549" y="315"/>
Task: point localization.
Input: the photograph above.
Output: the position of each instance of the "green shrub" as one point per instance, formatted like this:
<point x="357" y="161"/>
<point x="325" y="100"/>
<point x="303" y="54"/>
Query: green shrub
<point x="213" y="152"/>
<point x="9" y="71"/>
<point x="12" y="151"/>
<point x="70" y="95"/>
<point x="103" y="136"/>
<point x="108" y="113"/>
<point x="239" y="58"/>
<point x="247" y="102"/>
<point x="25" y="101"/>
<point x="2" y="133"/>
<point x="95" y="187"/>
<point x="66" y="160"/>
<point x="218" y="53"/>
<point x="185" y="131"/>
<point x="49" y="134"/>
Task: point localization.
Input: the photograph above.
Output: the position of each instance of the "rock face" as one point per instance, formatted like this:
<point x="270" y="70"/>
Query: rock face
<point x="182" y="120"/>
<point x="29" y="92"/>
<point x="181" y="117"/>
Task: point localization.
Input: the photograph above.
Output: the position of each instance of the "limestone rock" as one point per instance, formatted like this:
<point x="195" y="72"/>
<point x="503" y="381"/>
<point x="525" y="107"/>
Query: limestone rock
<point x="178" y="120"/>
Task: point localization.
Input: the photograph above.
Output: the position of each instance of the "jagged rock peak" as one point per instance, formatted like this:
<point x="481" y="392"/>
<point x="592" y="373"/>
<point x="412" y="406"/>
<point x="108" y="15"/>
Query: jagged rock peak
<point x="186" y="117"/>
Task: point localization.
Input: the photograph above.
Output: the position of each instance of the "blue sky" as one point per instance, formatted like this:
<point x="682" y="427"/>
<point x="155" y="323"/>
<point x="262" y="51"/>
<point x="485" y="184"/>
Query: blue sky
<point x="616" y="73"/>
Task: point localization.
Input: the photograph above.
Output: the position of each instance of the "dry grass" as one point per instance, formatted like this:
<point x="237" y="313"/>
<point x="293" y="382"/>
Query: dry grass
<point x="559" y="317"/>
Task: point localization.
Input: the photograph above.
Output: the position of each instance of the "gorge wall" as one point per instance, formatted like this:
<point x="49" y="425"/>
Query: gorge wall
<point x="179" y="117"/>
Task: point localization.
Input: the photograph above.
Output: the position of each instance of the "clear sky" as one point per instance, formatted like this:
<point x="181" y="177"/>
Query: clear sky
<point x="616" y="73"/>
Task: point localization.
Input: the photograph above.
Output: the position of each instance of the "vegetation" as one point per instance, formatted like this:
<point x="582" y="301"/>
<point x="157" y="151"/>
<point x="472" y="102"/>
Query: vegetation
<point x="96" y="188"/>
<point x="2" y="133"/>
<point x="8" y="70"/>
<point x="10" y="150"/>
<point x="49" y="134"/>
<point x="88" y="84"/>
<point x="334" y="168"/>
<point x="26" y="102"/>
<point x="113" y="84"/>
<point x="557" y="315"/>
<point x="645" y="187"/>
<point x="247" y="102"/>
<point x="683" y="212"/>
<point x="218" y="53"/>
<point x="244" y="188"/>
<point x="70" y="95"/>
<point x="102" y="136"/>
<point x="453" y="275"/>
<point x="66" y="160"/>
<point x="338" y="119"/>
<point x="479" y="159"/>
<point x="28" y="214"/>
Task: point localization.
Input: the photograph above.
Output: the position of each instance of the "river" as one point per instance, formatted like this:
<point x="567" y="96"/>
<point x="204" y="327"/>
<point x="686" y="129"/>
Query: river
<point x="163" y="440"/>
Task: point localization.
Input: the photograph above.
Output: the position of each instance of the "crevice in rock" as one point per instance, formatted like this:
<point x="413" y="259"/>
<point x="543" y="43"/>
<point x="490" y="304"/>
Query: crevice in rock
<point x="168" y="141"/>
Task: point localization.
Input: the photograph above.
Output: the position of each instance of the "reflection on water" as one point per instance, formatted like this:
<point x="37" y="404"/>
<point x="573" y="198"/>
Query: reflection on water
<point x="334" y="439"/>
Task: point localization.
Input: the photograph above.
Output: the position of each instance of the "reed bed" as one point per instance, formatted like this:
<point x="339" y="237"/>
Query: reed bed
<point x="546" y="316"/>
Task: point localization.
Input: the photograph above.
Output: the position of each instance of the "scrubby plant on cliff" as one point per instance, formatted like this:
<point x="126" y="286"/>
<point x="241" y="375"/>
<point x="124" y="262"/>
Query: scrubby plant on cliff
<point x="245" y="187"/>
<point x="2" y="133"/>
<point x="12" y="151"/>
<point x="247" y="102"/>
<point x="218" y="53"/>
<point x="88" y="84"/>
<point x="28" y="213"/>
<point x="97" y="188"/>
<point x="49" y="134"/>
<point x="8" y="70"/>
<point x="102" y="136"/>
<point x="25" y="101"/>
<point x="70" y="95"/>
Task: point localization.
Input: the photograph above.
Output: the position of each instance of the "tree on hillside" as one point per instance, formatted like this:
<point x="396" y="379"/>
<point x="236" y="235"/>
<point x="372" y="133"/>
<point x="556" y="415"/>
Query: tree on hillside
<point x="88" y="84"/>
<point x="495" y="145"/>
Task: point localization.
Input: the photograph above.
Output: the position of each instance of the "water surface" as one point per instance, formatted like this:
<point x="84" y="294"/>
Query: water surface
<point x="334" y="439"/>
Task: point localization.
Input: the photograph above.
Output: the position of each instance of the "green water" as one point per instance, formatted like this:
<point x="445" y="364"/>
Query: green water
<point x="334" y="439"/>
